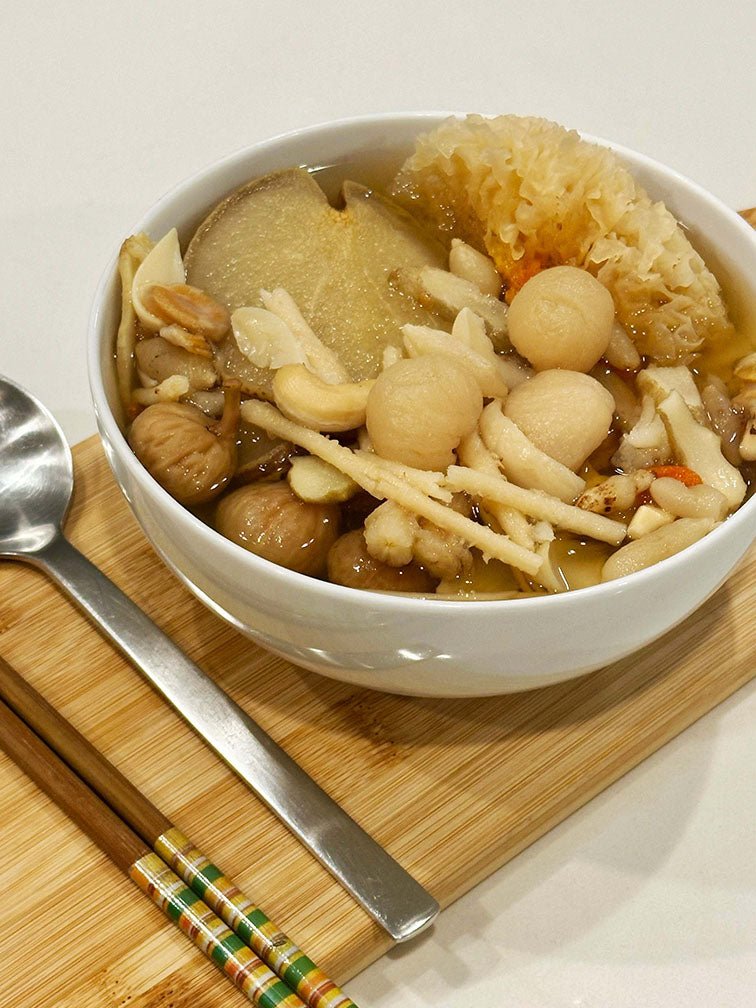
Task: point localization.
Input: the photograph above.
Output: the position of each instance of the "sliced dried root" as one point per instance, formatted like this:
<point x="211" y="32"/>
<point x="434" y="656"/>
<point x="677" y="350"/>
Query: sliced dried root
<point x="622" y="353"/>
<point x="447" y="294"/>
<point x="700" y="449"/>
<point x="383" y="486"/>
<point x="627" y="407"/>
<point x="467" y="344"/>
<point x="425" y="481"/>
<point x="536" y="504"/>
<point x="659" y="382"/>
<point x="649" y="430"/>
<point x="132" y="254"/>
<point x="319" y="358"/>
<point x="265" y="339"/>
<point x="521" y="461"/>
<point x="171" y="389"/>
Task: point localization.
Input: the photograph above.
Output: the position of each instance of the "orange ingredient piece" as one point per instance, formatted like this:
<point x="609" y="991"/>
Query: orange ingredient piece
<point x="516" y="272"/>
<point x="688" y="477"/>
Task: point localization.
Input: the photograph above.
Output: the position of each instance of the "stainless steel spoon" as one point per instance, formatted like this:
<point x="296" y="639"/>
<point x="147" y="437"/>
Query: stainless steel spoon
<point x="36" y="480"/>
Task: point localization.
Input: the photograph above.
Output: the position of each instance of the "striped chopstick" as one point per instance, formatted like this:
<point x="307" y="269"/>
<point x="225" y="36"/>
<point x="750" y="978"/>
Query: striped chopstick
<point x="167" y="865"/>
<point x="247" y="971"/>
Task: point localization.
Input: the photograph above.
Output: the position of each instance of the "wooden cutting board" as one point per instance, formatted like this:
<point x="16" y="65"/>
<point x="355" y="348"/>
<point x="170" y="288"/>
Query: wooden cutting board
<point x="452" y="788"/>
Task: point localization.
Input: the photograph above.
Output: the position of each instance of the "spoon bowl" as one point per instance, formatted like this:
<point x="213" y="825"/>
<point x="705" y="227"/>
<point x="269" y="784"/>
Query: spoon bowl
<point x="36" y="472"/>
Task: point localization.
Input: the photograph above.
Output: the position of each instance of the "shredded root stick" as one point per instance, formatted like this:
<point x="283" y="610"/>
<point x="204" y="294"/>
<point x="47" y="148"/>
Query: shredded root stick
<point x="473" y="453"/>
<point x="536" y="504"/>
<point x="423" y="480"/>
<point x="132" y="254"/>
<point x="387" y="486"/>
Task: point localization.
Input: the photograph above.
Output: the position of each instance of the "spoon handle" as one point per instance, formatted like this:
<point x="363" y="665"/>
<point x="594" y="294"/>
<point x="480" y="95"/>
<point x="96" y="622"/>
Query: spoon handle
<point x="386" y="891"/>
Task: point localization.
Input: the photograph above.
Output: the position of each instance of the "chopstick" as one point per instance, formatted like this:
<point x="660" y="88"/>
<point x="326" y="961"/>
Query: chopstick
<point x="253" y="977"/>
<point x="150" y="849"/>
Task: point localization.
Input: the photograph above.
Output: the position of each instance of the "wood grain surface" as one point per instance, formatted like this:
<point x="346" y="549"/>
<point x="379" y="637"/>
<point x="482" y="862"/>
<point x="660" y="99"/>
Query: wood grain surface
<point x="452" y="788"/>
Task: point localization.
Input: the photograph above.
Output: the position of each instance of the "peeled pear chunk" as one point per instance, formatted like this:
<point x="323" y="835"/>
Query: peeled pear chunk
<point x="385" y="238"/>
<point x="280" y="231"/>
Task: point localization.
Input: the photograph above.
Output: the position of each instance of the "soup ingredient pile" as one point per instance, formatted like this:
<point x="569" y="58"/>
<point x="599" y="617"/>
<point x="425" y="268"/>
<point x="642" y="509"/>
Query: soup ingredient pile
<point x="492" y="383"/>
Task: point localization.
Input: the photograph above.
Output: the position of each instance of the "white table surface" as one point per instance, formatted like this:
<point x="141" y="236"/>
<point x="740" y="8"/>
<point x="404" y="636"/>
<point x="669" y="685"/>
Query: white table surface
<point x="646" y="896"/>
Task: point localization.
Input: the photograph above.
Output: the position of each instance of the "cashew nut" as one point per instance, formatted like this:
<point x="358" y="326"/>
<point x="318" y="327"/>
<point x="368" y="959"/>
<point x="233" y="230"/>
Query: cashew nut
<point x="304" y="397"/>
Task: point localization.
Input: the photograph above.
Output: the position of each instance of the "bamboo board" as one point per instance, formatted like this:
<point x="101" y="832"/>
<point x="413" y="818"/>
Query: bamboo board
<point x="453" y="789"/>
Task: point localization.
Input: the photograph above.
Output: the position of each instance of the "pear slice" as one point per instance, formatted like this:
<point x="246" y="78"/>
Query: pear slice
<point x="280" y="231"/>
<point x="385" y="235"/>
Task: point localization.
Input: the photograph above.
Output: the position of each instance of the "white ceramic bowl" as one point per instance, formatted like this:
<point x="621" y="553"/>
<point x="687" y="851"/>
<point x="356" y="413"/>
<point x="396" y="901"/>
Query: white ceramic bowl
<point x="408" y="645"/>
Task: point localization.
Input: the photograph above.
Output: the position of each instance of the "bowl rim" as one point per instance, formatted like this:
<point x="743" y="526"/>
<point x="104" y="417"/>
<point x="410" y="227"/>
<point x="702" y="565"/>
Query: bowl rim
<point x="293" y="580"/>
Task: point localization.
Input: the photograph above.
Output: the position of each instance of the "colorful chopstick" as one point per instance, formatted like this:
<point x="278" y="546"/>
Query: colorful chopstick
<point x="247" y="971"/>
<point x="197" y="872"/>
<point x="249" y="922"/>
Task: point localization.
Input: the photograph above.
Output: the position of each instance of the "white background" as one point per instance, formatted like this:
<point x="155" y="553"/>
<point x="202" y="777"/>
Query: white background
<point x="646" y="896"/>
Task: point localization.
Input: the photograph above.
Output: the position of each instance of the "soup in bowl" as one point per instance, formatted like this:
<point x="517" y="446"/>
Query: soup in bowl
<point x="420" y="416"/>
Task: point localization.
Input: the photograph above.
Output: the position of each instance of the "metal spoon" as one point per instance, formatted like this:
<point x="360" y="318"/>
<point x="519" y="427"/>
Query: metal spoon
<point x="36" y="480"/>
